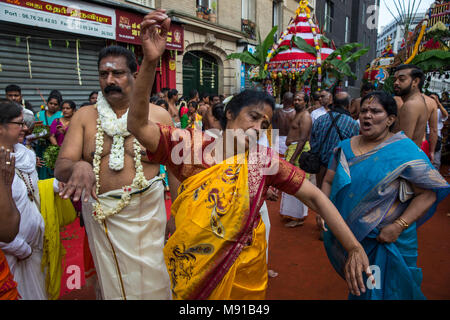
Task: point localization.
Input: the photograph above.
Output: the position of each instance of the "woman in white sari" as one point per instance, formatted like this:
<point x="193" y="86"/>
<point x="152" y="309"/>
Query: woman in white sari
<point x="24" y="253"/>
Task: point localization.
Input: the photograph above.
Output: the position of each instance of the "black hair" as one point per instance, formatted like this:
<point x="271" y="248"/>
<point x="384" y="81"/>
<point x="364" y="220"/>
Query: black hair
<point x="72" y="104"/>
<point x="212" y="96"/>
<point x="218" y="111"/>
<point x="55" y="96"/>
<point x="92" y="93"/>
<point x="192" y="94"/>
<point x="244" y="99"/>
<point x="154" y="98"/>
<point x="9" y="110"/>
<point x="13" y="87"/>
<point x="204" y="95"/>
<point x="386" y="101"/>
<point x="172" y="93"/>
<point x="182" y="103"/>
<point x="342" y="102"/>
<point x="368" y="86"/>
<point x="118" y="51"/>
<point x="162" y="103"/>
<point x="84" y="104"/>
<point x="193" y="104"/>
<point x="56" y="93"/>
<point x="416" y="72"/>
<point x="316" y="95"/>
<point x="163" y="90"/>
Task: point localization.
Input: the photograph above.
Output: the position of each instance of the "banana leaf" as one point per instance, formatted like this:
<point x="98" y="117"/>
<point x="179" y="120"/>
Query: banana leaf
<point x="342" y="67"/>
<point x="355" y="56"/>
<point x="307" y="73"/>
<point x="262" y="49"/>
<point x="303" y="45"/>
<point x="245" y="57"/>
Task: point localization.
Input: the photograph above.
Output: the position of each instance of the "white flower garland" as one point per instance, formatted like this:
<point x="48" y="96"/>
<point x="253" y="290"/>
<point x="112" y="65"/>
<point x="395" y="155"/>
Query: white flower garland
<point x="115" y="128"/>
<point x="106" y="120"/>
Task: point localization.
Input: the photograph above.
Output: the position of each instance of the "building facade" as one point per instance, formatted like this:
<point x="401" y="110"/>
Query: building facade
<point x="203" y="34"/>
<point x="348" y="21"/>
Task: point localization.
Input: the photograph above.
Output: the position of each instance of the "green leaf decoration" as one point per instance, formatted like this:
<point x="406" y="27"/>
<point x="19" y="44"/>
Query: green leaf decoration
<point x="50" y="155"/>
<point x="245" y="57"/>
<point x="432" y="60"/>
<point x="303" y="45"/>
<point x="50" y="43"/>
<point x="343" y="67"/>
<point x="326" y="40"/>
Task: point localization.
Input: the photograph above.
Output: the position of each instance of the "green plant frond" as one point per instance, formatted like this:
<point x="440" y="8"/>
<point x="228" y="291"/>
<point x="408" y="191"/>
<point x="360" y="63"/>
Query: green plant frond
<point x="307" y="73"/>
<point x="280" y="49"/>
<point x="342" y="67"/>
<point x="303" y="45"/>
<point x="245" y="57"/>
<point x="358" y="54"/>
<point x="326" y="40"/>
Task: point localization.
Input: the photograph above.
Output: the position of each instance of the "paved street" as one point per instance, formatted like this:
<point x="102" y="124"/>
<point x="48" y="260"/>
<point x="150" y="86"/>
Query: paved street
<point x="305" y="272"/>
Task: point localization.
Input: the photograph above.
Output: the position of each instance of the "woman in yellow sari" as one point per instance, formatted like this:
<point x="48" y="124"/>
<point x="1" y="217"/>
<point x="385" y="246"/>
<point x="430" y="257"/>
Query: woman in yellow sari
<point x="218" y="249"/>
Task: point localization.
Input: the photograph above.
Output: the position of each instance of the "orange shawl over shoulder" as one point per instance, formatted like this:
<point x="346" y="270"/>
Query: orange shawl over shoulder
<point x="8" y="287"/>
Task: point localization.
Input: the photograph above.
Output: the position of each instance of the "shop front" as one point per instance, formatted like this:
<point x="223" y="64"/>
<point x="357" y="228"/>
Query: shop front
<point x="128" y="34"/>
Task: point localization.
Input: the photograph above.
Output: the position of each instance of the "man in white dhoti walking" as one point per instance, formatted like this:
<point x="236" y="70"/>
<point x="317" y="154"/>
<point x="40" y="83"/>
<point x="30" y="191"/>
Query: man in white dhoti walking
<point x="297" y="141"/>
<point x="122" y="194"/>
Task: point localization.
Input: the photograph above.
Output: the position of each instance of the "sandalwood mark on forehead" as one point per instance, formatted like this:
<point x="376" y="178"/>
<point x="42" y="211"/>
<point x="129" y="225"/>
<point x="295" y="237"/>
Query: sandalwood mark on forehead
<point x="109" y="65"/>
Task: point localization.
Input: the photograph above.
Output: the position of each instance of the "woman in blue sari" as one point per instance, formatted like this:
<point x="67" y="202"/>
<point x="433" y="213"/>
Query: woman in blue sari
<point x="385" y="187"/>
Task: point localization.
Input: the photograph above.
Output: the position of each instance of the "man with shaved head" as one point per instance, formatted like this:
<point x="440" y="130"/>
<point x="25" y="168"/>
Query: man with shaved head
<point x="325" y="99"/>
<point x="283" y="118"/>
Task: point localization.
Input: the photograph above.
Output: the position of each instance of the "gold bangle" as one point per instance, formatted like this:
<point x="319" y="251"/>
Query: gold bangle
<point x="404" y="222"/>
<point x="400" y="224"/>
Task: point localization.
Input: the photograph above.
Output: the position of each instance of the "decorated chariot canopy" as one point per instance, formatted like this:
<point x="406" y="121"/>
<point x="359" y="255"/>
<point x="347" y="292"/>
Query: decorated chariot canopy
<point x="379" y="67"/>
<point x="427" y="46"/>
<point x="294" y="59"/>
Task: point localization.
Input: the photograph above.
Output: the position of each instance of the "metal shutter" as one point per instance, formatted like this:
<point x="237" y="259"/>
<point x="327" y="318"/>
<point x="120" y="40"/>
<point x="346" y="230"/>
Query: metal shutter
<point x="52" y="67"/>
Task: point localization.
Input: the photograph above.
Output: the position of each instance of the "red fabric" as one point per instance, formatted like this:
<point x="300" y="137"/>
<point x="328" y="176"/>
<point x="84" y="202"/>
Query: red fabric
<point x="89" y="267"/>
<point x="425" y="147"/>
<point x="295" y="61"/>
<point x="8" y="287"/>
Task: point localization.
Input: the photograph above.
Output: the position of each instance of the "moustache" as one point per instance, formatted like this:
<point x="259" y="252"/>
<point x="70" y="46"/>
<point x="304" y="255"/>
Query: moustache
<point x="113" y="88"/>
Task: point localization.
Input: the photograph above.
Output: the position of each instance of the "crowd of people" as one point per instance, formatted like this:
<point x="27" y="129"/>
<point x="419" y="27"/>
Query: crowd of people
<point x="368" y="168"/>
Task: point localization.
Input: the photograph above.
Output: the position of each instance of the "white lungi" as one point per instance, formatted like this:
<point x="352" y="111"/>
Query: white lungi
<point x="127" y="248"/>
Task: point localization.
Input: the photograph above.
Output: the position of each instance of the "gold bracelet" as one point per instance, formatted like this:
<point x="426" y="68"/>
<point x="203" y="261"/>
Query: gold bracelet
<point x="404" y="222"/>
<point x="400" y="224"/>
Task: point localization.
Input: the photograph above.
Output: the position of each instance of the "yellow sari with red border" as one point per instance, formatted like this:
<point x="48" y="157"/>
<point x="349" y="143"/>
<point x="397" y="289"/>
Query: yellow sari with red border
<point x="218" y="250"/>
<point x="215" y="252"/>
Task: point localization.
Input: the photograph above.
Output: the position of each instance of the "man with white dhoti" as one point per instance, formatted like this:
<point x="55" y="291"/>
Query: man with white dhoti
<point x="122" y="194"/>
<point x="297" y="142"/>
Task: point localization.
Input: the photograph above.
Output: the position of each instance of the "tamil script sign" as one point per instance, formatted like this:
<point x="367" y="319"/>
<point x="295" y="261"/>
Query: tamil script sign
<point x="70" y="16"/>
<point x="128" y="27"/>
<point x="128" y="30"/>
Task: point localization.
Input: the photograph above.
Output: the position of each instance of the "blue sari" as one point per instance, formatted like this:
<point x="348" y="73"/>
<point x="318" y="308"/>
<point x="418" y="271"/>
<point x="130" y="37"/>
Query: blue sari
<point x="371" y="191"/>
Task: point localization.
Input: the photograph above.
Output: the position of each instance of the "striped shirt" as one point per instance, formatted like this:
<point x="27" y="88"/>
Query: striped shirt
<point x="347" y="126"/>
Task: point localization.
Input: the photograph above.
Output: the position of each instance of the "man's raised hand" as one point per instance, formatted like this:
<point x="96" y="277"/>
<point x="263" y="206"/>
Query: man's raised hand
<point x="154" y="29"/>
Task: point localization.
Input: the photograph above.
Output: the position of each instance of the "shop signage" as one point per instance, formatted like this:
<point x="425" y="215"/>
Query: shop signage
<point x="128" y="29"/>
<point x="70" y="16"/>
